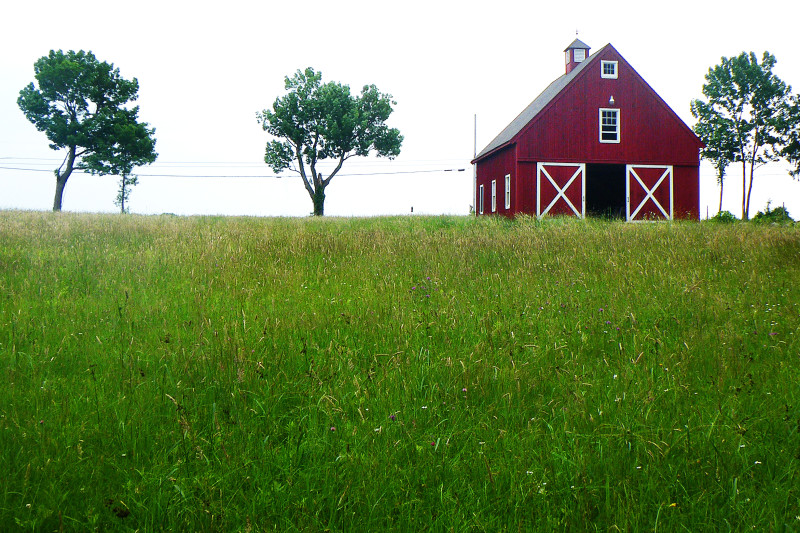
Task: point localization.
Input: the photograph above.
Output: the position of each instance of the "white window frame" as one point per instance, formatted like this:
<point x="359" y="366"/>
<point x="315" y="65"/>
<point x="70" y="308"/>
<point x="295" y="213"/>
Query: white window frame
<point x="494" y="196"/>
<point x="480" y="200"/>
<point x="575" y="55"/>
<point x="508" y="191"/>
<point x="612" y="75"/>
<point x="618" y="127"/>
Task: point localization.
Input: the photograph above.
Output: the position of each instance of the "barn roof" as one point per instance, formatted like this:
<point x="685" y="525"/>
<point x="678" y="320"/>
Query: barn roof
<point x="577" y="43"/>
<point x="535" y="107"/>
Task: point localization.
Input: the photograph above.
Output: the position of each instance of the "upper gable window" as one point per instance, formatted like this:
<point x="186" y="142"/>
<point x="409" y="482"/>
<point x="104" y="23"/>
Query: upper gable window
<point x="609" y="125"/>
<point x="608" y="69"/>
<point x="580" y="55"/>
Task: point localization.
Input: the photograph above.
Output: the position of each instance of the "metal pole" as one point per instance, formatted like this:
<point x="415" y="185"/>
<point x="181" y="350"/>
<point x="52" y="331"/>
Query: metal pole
<point x="475" y="165"/>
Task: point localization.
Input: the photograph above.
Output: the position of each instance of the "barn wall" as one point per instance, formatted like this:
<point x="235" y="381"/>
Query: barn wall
<point x="495" y="167"/>
<point x="568" y="129"/>
<point x="527" y="187"/>
<point x="686" y="195"/>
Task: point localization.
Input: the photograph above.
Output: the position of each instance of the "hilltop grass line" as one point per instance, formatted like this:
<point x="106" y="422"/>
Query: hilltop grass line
<point x="400" y="373"/>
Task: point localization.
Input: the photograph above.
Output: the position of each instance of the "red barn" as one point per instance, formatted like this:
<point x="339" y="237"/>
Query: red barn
<point x="597" y="141"/>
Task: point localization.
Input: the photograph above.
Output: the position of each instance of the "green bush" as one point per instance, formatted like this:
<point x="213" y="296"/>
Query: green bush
<point x="725" y="217"/>
<point x="779" y="215"/>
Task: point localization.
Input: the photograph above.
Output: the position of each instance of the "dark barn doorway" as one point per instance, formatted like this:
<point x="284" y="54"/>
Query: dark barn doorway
<point x="605" y="191"/>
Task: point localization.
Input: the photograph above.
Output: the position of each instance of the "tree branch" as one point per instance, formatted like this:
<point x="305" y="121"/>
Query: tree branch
<point x="342" y="159"/>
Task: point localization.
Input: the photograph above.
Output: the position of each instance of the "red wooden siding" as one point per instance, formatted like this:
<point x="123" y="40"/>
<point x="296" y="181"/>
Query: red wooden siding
<point x="568" y="129"/>
<point x="687" y="192"/>
<point x="495" y="167"/>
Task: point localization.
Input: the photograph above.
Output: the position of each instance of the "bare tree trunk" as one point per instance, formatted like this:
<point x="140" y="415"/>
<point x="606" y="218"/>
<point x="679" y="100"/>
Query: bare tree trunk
<point x="319" y="193"/>
<point x="749" y="191"/>
<point x="62" y="177"/>
<point x="61" y="182"/>
<point x="319" y="201"/>
<point x="721" y="187"/>
<point x="122" y="196"/>
<point x="744" y="189"/>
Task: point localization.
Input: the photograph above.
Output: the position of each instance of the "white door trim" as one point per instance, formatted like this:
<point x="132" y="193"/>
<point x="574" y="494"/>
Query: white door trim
<point x="631" y="173"/>
<point x="560" y="192"/>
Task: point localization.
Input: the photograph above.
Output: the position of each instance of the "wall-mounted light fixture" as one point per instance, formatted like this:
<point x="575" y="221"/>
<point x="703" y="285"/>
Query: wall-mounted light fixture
<point x="611" y="100"/>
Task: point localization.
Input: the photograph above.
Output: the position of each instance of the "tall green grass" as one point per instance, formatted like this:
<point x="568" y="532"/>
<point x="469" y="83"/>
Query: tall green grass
<point x="440" y="373"/>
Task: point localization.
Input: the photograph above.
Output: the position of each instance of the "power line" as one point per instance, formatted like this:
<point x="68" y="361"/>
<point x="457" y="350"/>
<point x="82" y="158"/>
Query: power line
<point x="259" y="163"/>
<point x="279" y="176"/>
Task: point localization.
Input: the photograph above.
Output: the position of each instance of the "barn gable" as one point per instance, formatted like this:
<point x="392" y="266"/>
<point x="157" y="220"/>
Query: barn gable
<point x="595" y="125"/>
<point x="529" y="113"/>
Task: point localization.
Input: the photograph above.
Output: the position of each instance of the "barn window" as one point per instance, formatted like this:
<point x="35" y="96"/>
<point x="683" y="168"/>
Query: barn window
<point x="609" y="69"/>
<point x="494" y="196"/>
<point x="609" y="125"/>
<point x="580" y="55"/>
<point x="508" y="191"/>
<point x="480" y="199"/>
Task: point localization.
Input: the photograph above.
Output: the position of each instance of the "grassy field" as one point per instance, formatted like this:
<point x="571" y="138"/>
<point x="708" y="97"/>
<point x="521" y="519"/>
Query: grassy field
<point x="409" y="374"/>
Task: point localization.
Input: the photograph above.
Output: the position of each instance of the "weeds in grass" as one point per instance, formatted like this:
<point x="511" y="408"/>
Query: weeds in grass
<point x="438" y="373"/>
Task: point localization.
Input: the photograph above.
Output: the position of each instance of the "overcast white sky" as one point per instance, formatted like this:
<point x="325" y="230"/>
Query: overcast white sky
<point x="206" y="68"/>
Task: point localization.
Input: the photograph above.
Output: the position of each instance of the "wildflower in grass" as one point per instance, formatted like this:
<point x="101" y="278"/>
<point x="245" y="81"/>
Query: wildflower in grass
<point x="392" y="418"/>
<point x="333" y="428"/>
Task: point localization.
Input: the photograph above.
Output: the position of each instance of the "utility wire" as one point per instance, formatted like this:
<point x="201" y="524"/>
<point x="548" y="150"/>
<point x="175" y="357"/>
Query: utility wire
<point x="279" y="176"/>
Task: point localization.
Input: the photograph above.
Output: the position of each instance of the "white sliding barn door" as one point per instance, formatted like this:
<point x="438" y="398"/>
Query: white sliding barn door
<point x="649" y="192"/>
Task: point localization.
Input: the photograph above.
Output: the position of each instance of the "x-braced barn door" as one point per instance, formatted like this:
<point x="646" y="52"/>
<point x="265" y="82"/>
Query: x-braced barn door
<point x="649" y="192"/>
<point x="561" y="189"/>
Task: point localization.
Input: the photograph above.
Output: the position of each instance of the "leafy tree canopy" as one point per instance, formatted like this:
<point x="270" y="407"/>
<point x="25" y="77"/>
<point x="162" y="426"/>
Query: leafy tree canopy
<point x="80" y="104"/>
<point x="318" y="121"/>
<point x="791" y="151"/>
<point x="745" y="118"/>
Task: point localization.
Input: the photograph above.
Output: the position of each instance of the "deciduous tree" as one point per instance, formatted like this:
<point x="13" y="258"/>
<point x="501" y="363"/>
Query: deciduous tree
<point x="744" y="117"/>
<point x="720" y="148"/>
<point x="82" y="105"/>
<point x="318" y="121"/>
<point x="126" y="182"/>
